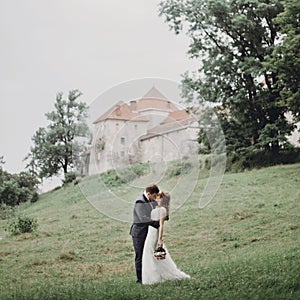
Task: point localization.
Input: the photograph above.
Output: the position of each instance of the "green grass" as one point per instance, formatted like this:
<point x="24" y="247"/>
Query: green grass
<point x="244" y="245"/>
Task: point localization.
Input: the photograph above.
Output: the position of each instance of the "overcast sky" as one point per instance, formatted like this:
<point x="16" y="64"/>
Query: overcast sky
<point x="91" y="45"/>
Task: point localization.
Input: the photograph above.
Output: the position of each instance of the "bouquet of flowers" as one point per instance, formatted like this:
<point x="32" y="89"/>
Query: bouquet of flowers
<point x="160" y="253"/>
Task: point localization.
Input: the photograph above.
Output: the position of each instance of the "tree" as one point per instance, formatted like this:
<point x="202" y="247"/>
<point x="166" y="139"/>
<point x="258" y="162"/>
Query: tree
<point x="232" y="39"/>
<point x="17" y="188"/>
<point x="55" y="147"/>
<point x="2" y="162"/>
<point x="285" y="57"/>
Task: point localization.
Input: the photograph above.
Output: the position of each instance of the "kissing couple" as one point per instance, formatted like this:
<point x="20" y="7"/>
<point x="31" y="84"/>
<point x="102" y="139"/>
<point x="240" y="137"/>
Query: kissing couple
<point x="151" y="210"/>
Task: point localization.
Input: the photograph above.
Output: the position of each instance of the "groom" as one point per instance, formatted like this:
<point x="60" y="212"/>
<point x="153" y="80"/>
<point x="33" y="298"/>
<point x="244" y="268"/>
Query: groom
<point x="141" y="220"/>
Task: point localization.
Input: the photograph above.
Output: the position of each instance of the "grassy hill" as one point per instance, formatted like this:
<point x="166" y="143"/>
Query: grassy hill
<point x="245" y="245"/>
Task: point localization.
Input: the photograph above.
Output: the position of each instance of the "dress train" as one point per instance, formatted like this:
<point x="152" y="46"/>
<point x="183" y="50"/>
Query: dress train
<point x="154" y="270"/>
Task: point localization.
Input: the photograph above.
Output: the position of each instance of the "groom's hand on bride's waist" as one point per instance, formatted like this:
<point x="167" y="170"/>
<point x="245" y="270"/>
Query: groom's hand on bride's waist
<point x="155" y="224"/>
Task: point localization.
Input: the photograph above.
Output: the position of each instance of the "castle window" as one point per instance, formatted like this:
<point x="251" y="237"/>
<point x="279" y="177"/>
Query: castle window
<point x="122" y="140"/>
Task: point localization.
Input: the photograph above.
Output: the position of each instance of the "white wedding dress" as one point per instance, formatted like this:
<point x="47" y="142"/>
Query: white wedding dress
<point x="154" y="270"/>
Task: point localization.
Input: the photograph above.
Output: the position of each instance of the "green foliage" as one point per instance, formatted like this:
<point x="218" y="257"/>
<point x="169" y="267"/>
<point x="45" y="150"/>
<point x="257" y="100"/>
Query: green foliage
<point x="234" y="40"/>
<point x="111" y="179"/>
<point x="210" y="135"/>
<point x="6" y="211"/>
<point x="140" y="169"/>
<point x="284" y="59"/>
<point x="34" y="197"/>
<point x="237" y="162"/>
<point x="69" y="178"/>
<point x="177" y="168"/>
<point x="10" y="193"/>
<point x="134" y="171"/>
<point x="22" y="224"/>
<point x="56" y="147"/>
<point x="244" y="245"/>
<point x="17" y="188"/>
<point x="115" y="178"/>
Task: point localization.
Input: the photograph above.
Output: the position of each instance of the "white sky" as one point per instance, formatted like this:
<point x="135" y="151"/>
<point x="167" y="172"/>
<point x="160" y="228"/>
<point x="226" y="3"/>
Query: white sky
<point x="91" y="45"/>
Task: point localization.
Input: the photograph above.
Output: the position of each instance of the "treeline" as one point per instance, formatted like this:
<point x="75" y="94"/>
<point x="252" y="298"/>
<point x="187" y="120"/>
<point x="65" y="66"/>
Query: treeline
<point x="249" y="68"/>
<point x="17" y="188"/>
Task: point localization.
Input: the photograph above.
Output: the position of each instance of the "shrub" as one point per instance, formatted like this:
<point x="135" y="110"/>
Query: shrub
<point x="34" y="197"/>
<point x="22" y="224"/>
<point x="116" y="178"/>
<point x="69" y="178"/>
<point x="10" y="193"/>
<point x="17" y="188"/>
<point x="178" y="168"/>
<point x="6" y="211"/>
<point x="133" y="171"/>
<point x="111" y="179"/>
<point x="257" y="159"/>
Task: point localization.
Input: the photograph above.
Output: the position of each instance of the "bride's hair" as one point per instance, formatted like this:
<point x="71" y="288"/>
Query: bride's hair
<point x="166" y="198"/>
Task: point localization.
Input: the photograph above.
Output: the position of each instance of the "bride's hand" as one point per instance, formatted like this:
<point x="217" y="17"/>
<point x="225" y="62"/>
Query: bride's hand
<point x="160" y="243"/>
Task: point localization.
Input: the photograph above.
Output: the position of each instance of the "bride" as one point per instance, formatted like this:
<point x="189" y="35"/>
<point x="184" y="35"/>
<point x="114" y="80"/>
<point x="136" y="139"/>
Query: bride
<point x="159" y="270"/>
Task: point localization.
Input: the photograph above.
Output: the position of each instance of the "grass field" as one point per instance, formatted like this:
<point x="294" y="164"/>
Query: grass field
<point x="244" y="245"/>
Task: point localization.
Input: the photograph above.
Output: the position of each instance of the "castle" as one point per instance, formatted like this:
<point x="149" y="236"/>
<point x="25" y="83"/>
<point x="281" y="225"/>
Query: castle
<point x="151" y="129"/>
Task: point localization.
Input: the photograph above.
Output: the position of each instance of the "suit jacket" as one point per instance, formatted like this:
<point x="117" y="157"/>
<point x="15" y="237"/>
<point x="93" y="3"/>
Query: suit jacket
<point x="142" y="217"/>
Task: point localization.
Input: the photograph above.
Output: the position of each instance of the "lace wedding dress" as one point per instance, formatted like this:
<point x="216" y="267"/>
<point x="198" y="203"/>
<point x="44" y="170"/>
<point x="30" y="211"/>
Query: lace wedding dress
<point x="154" y="270"/>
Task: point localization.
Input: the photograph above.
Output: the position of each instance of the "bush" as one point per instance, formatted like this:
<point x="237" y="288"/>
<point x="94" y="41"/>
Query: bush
<point x="17" y="188"/>
<point x="178" y="168"/>
<point x="133" y="171"/>
<point x="6" y="211"/>
<point x="10" y="193"/>
<point x="22" y="224"/>
<point x="115" y="178"/>
<point x="111" y="179"/>
<point x="69" y="178"/>
<point x="34" y="197"/>
<point x="258" y="159"/>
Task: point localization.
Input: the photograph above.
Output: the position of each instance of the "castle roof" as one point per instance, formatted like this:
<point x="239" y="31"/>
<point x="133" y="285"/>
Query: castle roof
<point x="177" y="120"/>
<point x="155" y="94"/>
<point x="121" y="111"/>
<point x="152" y="100"/>
<point x="176" y="116"/>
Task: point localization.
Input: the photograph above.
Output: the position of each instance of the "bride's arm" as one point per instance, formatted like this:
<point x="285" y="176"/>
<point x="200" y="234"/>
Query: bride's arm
<point x="160" y="232"/>
<point x="161" y="228"/>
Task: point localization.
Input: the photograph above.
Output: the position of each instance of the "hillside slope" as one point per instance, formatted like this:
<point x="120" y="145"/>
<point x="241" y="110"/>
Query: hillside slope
<point x="244" y="244"/>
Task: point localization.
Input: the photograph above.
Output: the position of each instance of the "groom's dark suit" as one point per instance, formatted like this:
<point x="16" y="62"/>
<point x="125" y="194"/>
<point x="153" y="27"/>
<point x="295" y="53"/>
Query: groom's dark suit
<point x="139" y="229"/>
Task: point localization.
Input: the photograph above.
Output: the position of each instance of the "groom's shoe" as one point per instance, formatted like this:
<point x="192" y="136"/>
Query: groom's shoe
<point x="139" y="281"/>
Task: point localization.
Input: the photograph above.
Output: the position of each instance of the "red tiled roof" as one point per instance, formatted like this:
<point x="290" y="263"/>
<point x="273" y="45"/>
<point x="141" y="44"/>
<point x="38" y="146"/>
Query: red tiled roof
<point x="176" y="116"/>
<point x="177" y="120"/>
<point x="152" y="100"/>
<point x="149" y="103"/>
<point x="120" y="111"/>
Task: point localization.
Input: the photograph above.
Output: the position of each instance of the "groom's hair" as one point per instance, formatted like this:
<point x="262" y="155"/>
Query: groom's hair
<point x="152" y="189"/>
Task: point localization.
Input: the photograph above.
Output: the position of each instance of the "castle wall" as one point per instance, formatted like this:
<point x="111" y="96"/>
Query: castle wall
<point x="170" y="146"/>
<point x="115" y="144"/>
<point x="155" y="116"/>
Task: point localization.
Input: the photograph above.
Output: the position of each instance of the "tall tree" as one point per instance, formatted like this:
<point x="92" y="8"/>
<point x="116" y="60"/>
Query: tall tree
<point x="231" y="39"/>
<point x="55" y="147"/>
<point x="285" y="58"/>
